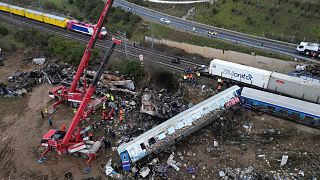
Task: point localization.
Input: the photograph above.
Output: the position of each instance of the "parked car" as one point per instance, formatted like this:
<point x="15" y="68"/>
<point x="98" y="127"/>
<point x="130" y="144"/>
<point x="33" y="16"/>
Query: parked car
<point x="165" y="20"/>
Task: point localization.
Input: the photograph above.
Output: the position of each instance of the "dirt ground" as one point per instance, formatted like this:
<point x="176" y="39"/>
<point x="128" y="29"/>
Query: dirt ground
<point x="21" y="128"/>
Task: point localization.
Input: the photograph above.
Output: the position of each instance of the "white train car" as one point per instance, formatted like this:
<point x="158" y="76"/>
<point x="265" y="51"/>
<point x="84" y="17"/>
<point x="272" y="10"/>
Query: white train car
<point x="176" y="128"/>
<point x="294" y="87"/>
<point x="241" y="73"/>
<point x="272" y="81"/>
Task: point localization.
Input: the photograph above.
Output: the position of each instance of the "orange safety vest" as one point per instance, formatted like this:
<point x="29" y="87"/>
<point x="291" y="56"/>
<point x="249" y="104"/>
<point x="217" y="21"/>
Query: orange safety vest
<point x="63" y="127"/>
<point x="121" y="115"/>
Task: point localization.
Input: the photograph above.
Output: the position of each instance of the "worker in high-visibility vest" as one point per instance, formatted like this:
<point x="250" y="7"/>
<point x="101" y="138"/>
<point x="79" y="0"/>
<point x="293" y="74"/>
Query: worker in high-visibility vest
<point x="46" y="111"/>
<point x="111" y="98"/>
<point x="198" y="73"/>
<point x="107" y="96"/>
<point x="74" y="110"/>
<point x="90" y="135"/>
<point x="63" y="127"/>
<point x="121" y="115"/>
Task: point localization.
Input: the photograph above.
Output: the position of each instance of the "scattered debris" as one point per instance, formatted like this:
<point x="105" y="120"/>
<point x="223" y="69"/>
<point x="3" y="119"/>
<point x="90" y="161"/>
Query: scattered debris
<point x="284" y="160"/>
<point x="144" y="172"/>
<point x="38" y="61"/>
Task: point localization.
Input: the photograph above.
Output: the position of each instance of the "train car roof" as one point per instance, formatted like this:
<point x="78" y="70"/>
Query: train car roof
<point x="55" y="17"/>
<point x="286" y="102"/>
<point x="33" y="11"/>
<point x="242" y="67"/>
<point x="174" y="120"/>
<point x="16" y="7"/>
<point x="295" y="79"/>
<point x="3" y="4"/>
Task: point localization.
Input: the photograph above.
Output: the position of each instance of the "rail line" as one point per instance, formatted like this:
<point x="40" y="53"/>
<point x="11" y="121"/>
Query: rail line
<point x="134" y="52"/>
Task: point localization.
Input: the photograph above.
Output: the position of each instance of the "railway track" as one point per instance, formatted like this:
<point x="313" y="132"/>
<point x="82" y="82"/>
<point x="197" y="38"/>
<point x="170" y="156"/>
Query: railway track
<point x="133" y="52"/>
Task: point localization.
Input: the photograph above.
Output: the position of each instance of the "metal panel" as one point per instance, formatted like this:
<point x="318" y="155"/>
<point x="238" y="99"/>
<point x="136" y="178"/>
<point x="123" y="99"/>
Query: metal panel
<point x="295" y="87"/>
<point x="282" y="101"/>
<point x="240" y="73"/>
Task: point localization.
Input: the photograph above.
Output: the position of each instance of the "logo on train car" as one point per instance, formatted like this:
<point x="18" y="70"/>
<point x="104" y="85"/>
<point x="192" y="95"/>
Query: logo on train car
<point x="248" y="77"/>
<point x="232" y="102"/>
<point x="280" y="81"/>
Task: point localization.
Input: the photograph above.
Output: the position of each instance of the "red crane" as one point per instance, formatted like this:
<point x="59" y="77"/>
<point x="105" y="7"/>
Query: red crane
<point x="74" y="140"/>
<point x="75" y="95"/>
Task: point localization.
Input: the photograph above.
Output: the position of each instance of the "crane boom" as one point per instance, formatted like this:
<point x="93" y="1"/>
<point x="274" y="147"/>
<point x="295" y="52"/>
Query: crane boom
<point x="87" y="53"/>
<point x="89" y="94"/>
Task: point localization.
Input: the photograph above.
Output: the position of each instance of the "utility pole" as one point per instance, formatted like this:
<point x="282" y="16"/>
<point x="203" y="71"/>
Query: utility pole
<point x="124" y="38"/>
<point x="11" y="17"/>
<point x="40" y="5"/>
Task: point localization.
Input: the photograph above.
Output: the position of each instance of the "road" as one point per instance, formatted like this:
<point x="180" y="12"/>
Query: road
<point x="202" y="29"/>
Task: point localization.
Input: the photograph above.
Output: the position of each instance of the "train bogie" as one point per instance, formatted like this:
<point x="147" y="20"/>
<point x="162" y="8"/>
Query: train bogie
<point x="16" y="10"/>
<point x="4" y="7"/>
<point x="55" y="20"/>
<point x="294" y="87"/>
<point x="240" y="73"/>
<point x="35" y="15"/>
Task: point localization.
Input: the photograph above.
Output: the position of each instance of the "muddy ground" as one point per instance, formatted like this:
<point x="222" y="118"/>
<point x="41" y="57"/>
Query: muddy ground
<point x="260" y="146"/>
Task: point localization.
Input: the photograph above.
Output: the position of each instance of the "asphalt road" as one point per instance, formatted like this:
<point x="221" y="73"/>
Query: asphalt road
<point x="202" y="29"/>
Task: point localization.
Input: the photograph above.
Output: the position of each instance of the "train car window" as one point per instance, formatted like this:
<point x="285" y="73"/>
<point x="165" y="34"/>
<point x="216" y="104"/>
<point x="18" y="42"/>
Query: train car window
<point x="308" y="119"/>
<point x="283" y="111"/>
<point x="143" y="146"/>
<point x="316" y="119"/>
<point x="152" y="141"/>
<point x="161" y="136"/>
<point x="171" y="130"/>
<point x="271" y="108"/>
<point x="302" y="116"/>
<point x="295" y="114"/>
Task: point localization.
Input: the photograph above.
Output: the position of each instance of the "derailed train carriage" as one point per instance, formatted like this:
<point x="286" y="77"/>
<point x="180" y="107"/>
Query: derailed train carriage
<point x="293" y="109"/>
<point x="177" y="128"/>
<point x="271" y="81"/>
<point x="63" y="22"/>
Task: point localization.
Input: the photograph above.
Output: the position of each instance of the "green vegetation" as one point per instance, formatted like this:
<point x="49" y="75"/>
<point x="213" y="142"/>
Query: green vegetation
<point x="7" y="41"/>
<point x="127" y="66"/>
<point x="162" y="78"/>
<point x="284" y="20"/>
<point x="161" y="31"/>
<point x="68" y="50"/>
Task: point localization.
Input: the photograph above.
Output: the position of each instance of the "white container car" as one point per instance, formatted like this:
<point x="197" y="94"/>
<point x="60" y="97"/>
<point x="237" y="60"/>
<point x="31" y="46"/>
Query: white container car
<point x="240" y="73"/>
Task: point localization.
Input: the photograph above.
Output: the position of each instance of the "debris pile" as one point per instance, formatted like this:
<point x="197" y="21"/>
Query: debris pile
<point x="22" y="82"/>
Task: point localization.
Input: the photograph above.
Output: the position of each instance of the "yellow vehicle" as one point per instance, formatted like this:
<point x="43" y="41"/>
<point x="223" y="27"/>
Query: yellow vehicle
<point x="4" y="7"/>
<point x="35" y="15"/>
<point x="55" y="20"/>
<point x="16" y="10"/>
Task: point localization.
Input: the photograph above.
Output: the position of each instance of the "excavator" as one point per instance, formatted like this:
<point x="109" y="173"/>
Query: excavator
<point x="74" y="95"/>
<point x="75" y="140"/>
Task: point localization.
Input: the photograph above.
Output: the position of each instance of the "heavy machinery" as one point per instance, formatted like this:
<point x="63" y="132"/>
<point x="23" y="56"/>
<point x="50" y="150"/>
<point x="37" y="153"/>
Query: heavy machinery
<point x="75" y="140"/>
<point x="74" y="95"/>
<point x="309" y="49"/>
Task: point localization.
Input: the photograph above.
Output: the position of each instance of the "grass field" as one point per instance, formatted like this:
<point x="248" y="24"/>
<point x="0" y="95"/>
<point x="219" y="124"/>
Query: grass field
<point x="276" y="19"/>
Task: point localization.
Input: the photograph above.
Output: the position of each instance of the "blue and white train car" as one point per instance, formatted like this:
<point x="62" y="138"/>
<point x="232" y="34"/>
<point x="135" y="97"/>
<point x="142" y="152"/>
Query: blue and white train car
<point x="297" y="110"/>
<point x="176" y="128"/>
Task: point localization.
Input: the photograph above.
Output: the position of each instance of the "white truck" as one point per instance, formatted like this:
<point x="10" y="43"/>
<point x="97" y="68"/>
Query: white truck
<point x="309" y="49"/>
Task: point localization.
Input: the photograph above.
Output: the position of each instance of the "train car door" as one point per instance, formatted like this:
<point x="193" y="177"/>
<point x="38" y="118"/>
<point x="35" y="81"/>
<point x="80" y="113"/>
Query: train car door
<point x="125" y="160"/>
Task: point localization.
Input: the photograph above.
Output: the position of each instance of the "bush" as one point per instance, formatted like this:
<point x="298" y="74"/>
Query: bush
<point x="32" y="38"/>
<point x="164" y="79"/>
<point x="3" y="30"/>
<point x="70" y="51"/>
